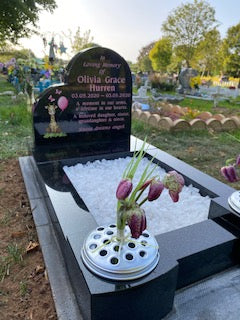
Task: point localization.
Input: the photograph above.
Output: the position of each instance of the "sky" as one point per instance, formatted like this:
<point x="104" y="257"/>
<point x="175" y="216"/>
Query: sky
<point x="124" y="26"/>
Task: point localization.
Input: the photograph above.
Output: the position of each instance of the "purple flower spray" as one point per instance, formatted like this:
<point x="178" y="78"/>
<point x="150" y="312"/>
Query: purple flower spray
<point x="129" y="211"/>
<point x="230" y="171"/>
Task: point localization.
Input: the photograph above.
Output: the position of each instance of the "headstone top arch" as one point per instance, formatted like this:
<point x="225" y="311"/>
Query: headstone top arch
<point x="91" y="112"/>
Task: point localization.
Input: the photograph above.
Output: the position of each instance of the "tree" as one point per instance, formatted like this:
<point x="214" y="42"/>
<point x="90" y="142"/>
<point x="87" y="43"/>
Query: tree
<point x="231" y="51"/>
<point x="11" y="52"/>
<point x="160" y="55"/>
<point x="133" y="66"/>
<point x="80" y="42"/>
<point x="207" y="56"/>
<point x="187" y="25"/>
<point x="143" y="60"/>
<point x="145" y="64"/>
<point x="16" y="15"/>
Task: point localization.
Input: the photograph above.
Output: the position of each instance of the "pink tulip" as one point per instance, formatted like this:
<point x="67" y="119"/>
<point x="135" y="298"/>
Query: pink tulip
<point x="155" y="190"/>
<point x="145" y="185"/>
<point x="238" y="160"/>
<point x="124" y="189"/>
<point x="174" y="195"/>
<point x="229" y="173"/>
<point x="174" y="182"/>
<point x="137" y="222"/>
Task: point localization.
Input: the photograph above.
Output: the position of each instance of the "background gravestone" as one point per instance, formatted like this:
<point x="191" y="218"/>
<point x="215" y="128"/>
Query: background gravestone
<point x="90" y="113"/>
<point x="184" y="79"/>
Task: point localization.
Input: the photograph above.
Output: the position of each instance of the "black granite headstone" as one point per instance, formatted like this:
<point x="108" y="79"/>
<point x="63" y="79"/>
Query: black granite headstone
<point x="91" y="112"/>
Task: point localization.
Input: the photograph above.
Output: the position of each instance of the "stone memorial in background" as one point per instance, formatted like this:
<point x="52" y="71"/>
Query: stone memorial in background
<point x="91" y="112"/>
<point x="184" y="78"/>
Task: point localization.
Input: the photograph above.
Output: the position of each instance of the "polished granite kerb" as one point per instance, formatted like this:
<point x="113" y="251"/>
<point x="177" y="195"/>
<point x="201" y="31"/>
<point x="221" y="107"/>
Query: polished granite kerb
<point x="186" y="255"/>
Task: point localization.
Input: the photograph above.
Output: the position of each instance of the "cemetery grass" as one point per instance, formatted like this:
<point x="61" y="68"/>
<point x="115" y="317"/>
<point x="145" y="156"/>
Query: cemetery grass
<point x="204" y="150"/>
<point x="227" y="107"/>
<point x="15" y="124"/>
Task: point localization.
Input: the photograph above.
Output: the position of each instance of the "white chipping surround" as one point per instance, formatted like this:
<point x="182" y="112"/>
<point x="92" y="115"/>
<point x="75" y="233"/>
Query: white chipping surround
<point x="96" y="183"/>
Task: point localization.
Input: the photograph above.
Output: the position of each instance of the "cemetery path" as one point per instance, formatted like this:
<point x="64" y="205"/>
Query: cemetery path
<point x="25" y="292"/>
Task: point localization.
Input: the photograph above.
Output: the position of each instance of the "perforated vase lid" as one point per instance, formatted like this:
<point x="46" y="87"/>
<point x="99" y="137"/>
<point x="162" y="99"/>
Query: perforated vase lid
<point x="104" y="256"/>
<point x="234" y="201"/>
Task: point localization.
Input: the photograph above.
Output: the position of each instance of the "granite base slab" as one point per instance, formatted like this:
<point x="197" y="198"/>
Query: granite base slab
<point x="187" y="255"/>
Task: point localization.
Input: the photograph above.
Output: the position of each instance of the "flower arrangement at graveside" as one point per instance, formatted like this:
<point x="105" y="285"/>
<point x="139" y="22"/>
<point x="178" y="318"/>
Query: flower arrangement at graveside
<point x="194" y="82"/>
<point x="130" y="199"/>
<point x="230" y="171"/>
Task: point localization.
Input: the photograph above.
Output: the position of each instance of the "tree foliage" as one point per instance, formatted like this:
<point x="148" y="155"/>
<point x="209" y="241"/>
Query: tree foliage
<point x="143" y="60"/>
<point x="231" y="51"/>
<point x="145" y="64"/>
<point x="145" y="51"/>
<point x="17" y="17"/>
<point x="133" y="66"/>
<point x="80" y="42"/>
<point x="208" y="54"/>
<point x="160" y="55"/>
<point x="9" y="53"/>
<point x="187" y="25"/>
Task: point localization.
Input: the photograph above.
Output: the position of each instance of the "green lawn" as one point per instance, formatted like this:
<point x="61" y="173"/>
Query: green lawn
<point x="15" y="124"/>
<point x="204" y="105"/>
<point x="206" y="151"/>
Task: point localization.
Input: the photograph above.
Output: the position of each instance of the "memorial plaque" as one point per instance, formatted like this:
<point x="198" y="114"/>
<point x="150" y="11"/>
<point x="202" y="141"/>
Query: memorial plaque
<point x="91" y="112"/>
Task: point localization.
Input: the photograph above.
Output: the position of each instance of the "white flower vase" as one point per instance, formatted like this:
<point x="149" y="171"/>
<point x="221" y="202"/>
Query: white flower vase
<point x="234" y="201"/>
<point x="105" y="255"/>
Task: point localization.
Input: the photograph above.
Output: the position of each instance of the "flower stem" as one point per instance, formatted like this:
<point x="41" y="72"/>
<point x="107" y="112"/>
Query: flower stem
<point x="120" y="234"/>
<point x="144" y="200"/>
<point x="120" y="225"/>
<point x="139" y="195"/>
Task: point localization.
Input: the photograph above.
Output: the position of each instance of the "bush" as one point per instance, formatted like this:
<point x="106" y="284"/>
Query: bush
<point x="162" y="83"/>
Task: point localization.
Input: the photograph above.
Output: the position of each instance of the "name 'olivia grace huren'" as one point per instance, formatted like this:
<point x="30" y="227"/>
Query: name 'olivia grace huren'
<point x="95" y="79"/>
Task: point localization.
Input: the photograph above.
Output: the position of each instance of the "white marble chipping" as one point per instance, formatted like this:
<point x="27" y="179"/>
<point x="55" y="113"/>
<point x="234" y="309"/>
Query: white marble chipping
<point x="96" y="182"/>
